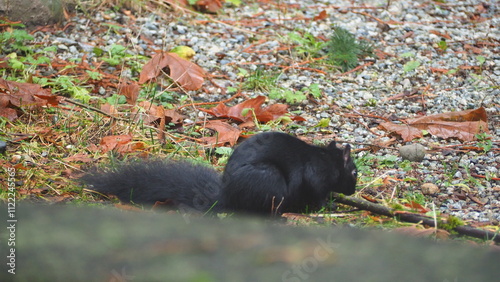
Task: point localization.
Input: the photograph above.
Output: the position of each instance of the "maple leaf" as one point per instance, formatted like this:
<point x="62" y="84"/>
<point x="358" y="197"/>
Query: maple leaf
<point x="225" y="133"/>
<point x="120" y="143"/>
<point x="186" y="74"/>
<point x="151" y="113"/>
<point x="463" y="125"/>
<point x="241" y="112"/>
<point x="130" y="91"/>
<point x="15" y="95"/>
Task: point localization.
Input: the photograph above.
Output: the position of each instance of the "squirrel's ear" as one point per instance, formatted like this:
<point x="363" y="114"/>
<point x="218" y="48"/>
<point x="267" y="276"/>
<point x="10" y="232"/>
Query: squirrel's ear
<point x="347" y="153"/>
<point x="332" y="145"/>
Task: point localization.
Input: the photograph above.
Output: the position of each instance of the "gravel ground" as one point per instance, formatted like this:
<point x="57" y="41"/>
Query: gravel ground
<point x="231" y="41"/>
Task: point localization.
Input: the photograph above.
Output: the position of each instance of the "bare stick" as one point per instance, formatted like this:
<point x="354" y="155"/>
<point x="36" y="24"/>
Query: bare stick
<point x="415" y="218"/>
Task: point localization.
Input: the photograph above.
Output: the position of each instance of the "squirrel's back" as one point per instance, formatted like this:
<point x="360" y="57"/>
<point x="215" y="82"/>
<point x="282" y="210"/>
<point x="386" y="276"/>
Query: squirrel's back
<point x="275" y="173"/>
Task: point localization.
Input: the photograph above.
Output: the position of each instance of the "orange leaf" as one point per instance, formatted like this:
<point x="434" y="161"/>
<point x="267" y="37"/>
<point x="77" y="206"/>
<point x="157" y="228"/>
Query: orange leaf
<point x="474" y="50"/>
<point x="463" y="125"/>
<point x="14" y="95"/>
<point x="23" y="94"/>
<point x="210" y="6"/>
<point x="262" y="114"/>
<point x="322" y="15"/>
<point x="109" y="109"/>
<point x="153" y="67"/>
<point x="417" y="206"/>
<point x="151" y="113"/>
<point x="225" y="133"/>
<point x="439" y="70"/>
<point x="443" y="35"/>
<point x="109" y="143"/>
<point x="130" y="91"/>
<point x="187" y="74"/>
<point x="79" y="157"/>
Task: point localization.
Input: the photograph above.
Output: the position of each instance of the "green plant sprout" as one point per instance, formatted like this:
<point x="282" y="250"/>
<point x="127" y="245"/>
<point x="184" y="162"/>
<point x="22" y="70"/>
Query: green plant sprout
<point x="344" y="51"/>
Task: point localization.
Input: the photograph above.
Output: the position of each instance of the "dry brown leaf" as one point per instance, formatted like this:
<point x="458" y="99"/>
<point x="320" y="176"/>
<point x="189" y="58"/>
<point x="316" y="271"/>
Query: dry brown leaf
<point x="15" y="95"/>
<point x="210" y="6"/>
<point x="440" y="34"/>
<point x="225" y="133"/>
<point x="130" y="91"/>
<point x="150" y="113"/>
<point x="79" y="157"/>
<point x="109" y="109"/>
<point x="463" y="125"/>
<point x="113" y="142"/>
<point x="186" y="74"/>
<point x="261" y="114"/>
<point x="322" y="15"/>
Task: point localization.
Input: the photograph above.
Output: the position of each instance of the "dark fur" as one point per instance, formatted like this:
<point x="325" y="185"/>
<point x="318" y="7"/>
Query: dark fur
<point x="267" y="174"/>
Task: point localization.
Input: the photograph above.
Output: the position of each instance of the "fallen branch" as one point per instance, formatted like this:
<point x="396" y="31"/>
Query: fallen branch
<point x="415" y="218"/>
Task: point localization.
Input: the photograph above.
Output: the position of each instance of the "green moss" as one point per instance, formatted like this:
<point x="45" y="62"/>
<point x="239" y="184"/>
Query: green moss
<point x="397" y="207"/>
<point x="451" y="223"/>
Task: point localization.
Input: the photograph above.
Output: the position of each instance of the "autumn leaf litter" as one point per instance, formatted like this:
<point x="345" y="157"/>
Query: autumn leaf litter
<point x="253" y="35"/>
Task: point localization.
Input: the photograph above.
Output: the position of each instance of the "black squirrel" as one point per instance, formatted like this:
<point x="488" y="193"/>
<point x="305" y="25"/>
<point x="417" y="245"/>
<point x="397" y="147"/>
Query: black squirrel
<point x="270" y="173"/>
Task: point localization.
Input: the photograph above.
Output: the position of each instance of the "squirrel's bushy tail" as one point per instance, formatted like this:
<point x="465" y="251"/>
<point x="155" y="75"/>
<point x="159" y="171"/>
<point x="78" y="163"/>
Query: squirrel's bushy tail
<point x="181" y="183"/>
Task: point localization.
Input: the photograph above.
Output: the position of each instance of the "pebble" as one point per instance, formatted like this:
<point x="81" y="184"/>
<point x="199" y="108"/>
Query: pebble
<point x="429" y="188"/>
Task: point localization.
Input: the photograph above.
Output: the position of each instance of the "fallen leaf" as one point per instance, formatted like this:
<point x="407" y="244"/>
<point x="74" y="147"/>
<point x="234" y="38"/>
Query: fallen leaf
<point x="463" y="125"/>
<point x="473" y="49"/>
<point x="152" y="68"/>
<point x="225" y="133"/>
<point x="417" y="206"/>
<point x="149" y="113"/>
<point x="245" y="111"/>
<point x="130" y="91"/>
<point x="186" y="74"/>
<point x="210" y="6"/>
<point x="440" y="34"/>
<point x="15" y="95"/>
<point x="79" y="157"/>
<point x="119" y="143"/>
<point x="109" y="109"/>
<point x="445" y="71"/>
<point x="322" y="15"/>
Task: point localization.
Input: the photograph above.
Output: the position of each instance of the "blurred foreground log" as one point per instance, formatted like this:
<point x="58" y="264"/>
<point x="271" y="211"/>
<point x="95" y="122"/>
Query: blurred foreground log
<point x="97" y="244"/>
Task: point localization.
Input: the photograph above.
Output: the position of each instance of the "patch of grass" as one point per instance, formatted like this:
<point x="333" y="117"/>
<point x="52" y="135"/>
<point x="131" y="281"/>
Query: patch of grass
<point x="308" y="46"/>
<point x="414" y="196"/>
<point x="293" y="96"/>
<point x="260" y="80"/>
<point x="341" y="50"/>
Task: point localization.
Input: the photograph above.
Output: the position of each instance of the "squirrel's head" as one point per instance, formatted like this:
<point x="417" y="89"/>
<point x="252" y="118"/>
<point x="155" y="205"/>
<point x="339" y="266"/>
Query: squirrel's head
<point x="349" y="173"/>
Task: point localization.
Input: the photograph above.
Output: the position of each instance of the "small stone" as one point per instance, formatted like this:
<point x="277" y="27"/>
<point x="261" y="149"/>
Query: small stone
<point x="406" y="83"/>
<point x="3" y="147"/>
<point x="429" y="188"/>
<point x="413" y="152"/>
